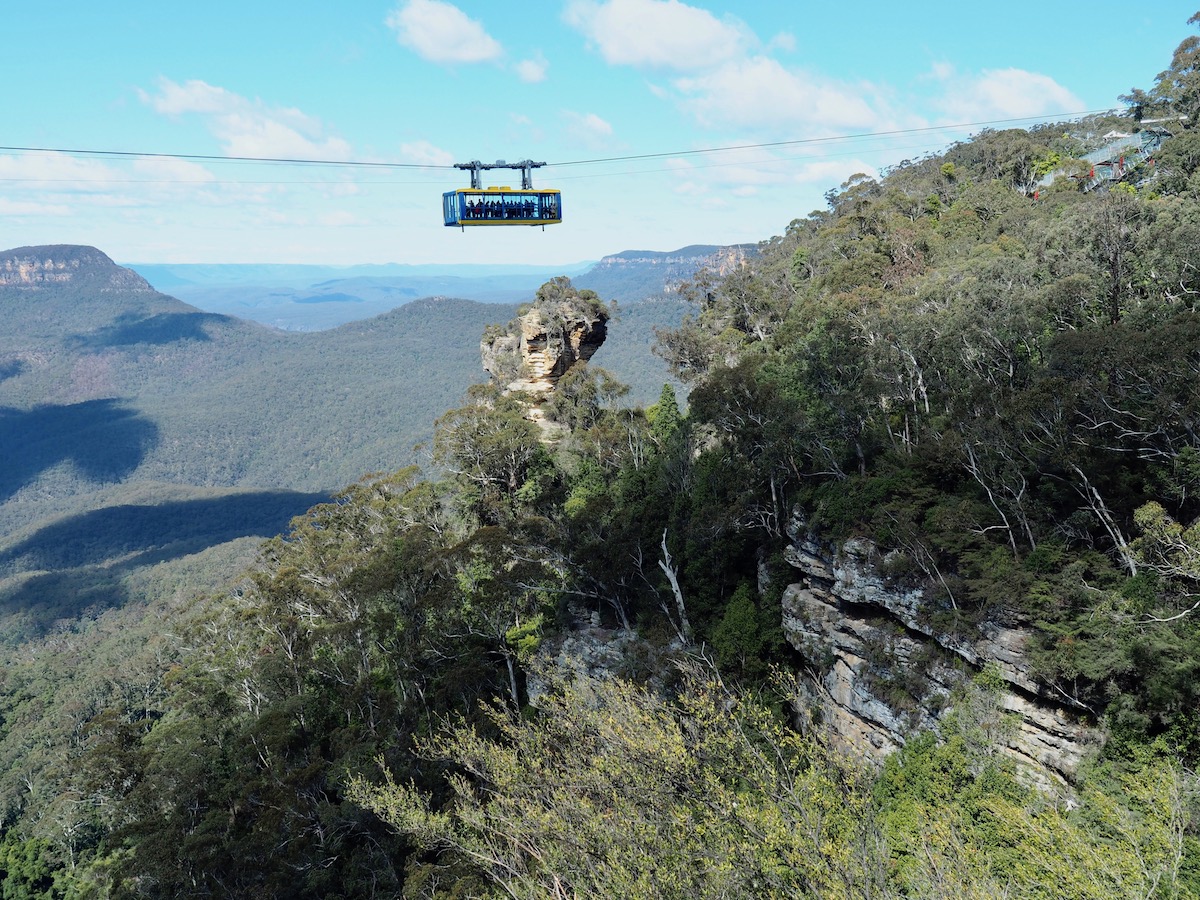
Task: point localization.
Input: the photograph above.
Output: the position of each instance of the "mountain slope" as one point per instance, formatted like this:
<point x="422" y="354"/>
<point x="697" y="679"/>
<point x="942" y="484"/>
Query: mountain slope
<point x="115" y="398"/>
<point x="104" y="373"/>
<point x="108" y="388"/>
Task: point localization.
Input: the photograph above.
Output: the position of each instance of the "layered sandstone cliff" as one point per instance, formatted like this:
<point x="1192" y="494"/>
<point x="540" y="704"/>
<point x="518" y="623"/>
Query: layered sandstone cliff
<point x="882" y="671"/>
<point x="34" y="267"/>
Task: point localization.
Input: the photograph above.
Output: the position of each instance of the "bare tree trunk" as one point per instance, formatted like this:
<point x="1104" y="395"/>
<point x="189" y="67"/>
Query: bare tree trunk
<point x="972" y="466"/>
<point x="512" y="680"/>
<point x="684" y="627"/>
<point x="1096" y="504"/>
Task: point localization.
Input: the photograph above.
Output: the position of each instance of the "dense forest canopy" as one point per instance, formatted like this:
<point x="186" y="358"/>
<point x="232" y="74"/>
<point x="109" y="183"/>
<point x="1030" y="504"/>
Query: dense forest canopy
<point x="984" y="362"/>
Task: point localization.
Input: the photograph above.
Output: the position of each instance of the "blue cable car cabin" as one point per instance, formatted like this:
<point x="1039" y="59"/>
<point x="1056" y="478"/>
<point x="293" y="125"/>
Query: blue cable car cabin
<point x="502" y="206"/>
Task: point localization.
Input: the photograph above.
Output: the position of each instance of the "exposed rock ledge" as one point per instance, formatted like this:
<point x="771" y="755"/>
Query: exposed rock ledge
<point x="863" y="635"/>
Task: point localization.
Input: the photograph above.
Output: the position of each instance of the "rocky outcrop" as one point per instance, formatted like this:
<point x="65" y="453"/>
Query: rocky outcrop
<point x="535" y="350"/>
<point x="592" y="652"/>
<point x="58" y="264"/>
<point x="546" y="343"/>
<point x="882" y="671"/>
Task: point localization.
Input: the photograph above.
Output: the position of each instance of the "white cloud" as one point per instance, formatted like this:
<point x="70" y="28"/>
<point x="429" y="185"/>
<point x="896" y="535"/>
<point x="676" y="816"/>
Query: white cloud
<point x="731" y="171"/>
<point x="751" y="172"/>
<point x="832" y="172"/>
<point x="273" y="216"/>
<point x="588" y="128"/>
<point x="759" y="92"/>
<point x="338" y="219"/>
<point x="658" y="33"/>
<point x="1002" y="94"/>
<point x="425" y="153"/>
<point x="254" y="133"/>
<point x="785" y="40"/>
<point x="190" y="97"/>
<point x="57" y="184"/>
<point x="441" y="32"/>
<point x="56" y="172"/>
<point x="33" y="208"/>
<point x="942" y="70"/>
<point x="248" y="127"/>
<point x="127" y="200"/>
<point x="176" y="171"/>
<point x="532" y="70"/>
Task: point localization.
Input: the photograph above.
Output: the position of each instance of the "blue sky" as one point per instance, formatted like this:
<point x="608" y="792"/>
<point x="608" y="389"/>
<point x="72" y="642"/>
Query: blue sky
<point x="431" y="83"/>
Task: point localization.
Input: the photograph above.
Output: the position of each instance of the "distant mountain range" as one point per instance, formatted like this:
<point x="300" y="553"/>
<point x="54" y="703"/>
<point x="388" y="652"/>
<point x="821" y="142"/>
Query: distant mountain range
<point x="634" y="275"/>
<point x="312" y="298"/>
<point x="137" y="430"/>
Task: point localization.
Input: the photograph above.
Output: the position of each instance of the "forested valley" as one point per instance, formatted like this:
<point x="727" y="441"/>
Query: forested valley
<point x="560" y="669"/>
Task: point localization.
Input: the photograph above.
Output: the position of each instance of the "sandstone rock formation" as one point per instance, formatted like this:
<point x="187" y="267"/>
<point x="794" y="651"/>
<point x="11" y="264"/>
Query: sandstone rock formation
<point x="529" y="355"/>
<point x="882" y="672"/>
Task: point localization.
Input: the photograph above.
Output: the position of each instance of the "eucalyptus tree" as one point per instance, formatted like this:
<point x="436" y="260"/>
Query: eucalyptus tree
<point x="609" y="789"/>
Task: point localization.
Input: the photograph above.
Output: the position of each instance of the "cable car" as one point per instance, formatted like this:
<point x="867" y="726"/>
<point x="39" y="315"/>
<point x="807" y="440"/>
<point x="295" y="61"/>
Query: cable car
<point x="502" y="206"/>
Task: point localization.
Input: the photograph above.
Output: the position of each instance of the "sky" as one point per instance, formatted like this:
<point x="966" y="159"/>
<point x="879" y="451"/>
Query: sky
<point x="664" y="123"/>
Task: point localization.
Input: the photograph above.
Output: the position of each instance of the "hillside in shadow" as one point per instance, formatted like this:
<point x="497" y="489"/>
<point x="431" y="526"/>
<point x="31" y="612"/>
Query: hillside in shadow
<point x="12" y="368"/>
<point x="147" y="534"/>
<point x="81" y="561"/>
<point x="105" y="440"/>
<point x="161" y="328"/>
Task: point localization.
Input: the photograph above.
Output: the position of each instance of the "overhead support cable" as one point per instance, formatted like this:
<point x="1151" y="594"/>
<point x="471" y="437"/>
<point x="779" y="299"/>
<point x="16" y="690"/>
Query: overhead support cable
<point x="527" y="164"/>
<point x="137" y="154"/>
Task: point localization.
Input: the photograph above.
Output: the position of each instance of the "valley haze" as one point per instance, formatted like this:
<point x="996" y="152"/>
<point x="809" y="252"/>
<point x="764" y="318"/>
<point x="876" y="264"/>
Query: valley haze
<point x="316" y="297"/>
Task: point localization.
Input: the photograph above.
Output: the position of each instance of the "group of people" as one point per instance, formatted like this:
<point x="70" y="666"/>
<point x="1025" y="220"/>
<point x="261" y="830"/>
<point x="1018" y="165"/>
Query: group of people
<point x="513" y="208"/>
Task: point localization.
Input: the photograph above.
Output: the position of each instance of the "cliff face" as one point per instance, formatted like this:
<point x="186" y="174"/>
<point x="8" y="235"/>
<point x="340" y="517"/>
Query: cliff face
<point x="885" y="673"/>
<point x="59" y="264"/>
<point x="638" y="274"/>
